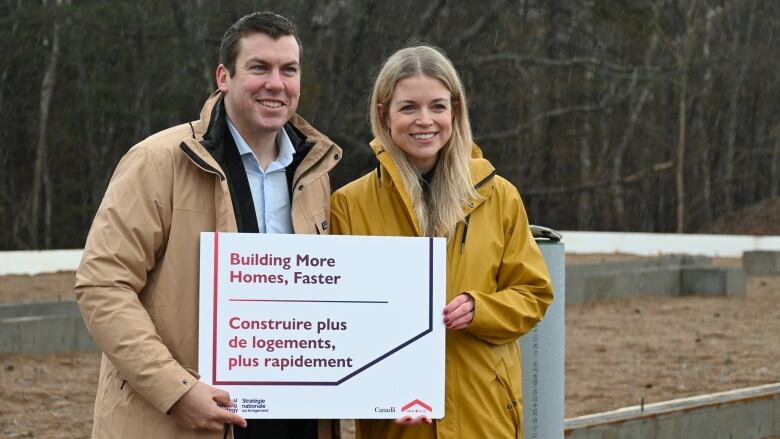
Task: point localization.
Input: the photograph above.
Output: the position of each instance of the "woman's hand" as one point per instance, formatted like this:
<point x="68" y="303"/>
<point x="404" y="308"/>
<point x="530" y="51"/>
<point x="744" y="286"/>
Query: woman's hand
<point x="459" y="313"/>
<point x="408" y="420"/>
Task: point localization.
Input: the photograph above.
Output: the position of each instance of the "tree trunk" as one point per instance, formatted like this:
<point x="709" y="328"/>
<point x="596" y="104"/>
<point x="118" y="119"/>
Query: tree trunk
<point x="774" y="176"/>
<point x="684" y="56"/>
<point x="40" y="166"/>
<point x="585" y="197"/>
<point x="731" y="136"/>
<point x="616" y="177"/>
<point x="47" y="209"/>
<point x="700" y="125"/>
<point x="680" y="169"/>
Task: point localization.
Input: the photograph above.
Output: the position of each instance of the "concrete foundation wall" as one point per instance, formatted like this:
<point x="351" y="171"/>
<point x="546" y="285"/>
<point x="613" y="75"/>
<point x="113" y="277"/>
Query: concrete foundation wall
<point x="44" y="327"/>
<point x="65" y="307"/>
<point x="751" y="413"/>
<point x="712" y="281"/>
<point x="669" y="275"/>
<point x="761" y="263"/>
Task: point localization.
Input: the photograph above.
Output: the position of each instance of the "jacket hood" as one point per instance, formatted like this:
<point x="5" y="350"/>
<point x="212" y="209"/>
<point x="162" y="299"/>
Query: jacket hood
<point x="480" y="170"/>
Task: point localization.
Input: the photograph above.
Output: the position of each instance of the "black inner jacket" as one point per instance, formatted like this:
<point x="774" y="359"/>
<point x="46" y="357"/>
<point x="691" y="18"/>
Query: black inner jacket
<point x="220" y="144"/>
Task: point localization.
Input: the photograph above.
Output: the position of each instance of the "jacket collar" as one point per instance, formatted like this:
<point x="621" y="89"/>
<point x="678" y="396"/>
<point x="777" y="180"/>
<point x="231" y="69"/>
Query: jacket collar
<point x="310" y="145"/>
<point x="480" y="169"/>
<point x="212" y="148"/>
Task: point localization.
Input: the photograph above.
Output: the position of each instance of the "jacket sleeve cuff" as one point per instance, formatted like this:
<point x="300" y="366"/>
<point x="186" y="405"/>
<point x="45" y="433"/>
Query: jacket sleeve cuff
<point x="479" y="323"/>
<point x="167" y="387"/>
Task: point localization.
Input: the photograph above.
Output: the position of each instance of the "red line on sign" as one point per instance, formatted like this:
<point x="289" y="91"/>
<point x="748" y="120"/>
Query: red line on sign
<point x="214" y="318"/>
<point x="308" y="301"/>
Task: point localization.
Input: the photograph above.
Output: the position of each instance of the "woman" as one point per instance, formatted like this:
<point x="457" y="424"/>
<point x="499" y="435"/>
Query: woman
<point x="432" y="181"/>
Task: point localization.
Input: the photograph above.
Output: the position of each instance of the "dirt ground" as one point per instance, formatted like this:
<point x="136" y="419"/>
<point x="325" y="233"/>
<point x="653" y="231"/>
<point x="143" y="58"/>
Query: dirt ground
<point x="618" y="353"/>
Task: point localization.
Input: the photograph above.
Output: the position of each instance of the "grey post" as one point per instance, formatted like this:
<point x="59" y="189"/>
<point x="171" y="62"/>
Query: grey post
<point x="543" y="353"/>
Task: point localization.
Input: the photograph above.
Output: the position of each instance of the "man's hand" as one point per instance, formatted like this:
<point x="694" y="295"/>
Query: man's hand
<point x="408" y="420"/>
<point x="198" y="409"/>
<point x="459" y="313"/>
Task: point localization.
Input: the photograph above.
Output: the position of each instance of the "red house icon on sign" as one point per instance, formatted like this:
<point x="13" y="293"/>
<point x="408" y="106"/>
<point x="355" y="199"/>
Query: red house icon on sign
<point x="414" y="403"/>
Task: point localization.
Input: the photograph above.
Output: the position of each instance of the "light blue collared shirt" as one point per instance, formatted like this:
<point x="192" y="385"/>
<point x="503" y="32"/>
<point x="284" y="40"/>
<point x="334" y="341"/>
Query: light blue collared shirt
<point x="270" y="193"/>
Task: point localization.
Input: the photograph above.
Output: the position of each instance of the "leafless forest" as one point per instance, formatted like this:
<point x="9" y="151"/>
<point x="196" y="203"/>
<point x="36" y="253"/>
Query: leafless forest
<point x="640" y="115"/>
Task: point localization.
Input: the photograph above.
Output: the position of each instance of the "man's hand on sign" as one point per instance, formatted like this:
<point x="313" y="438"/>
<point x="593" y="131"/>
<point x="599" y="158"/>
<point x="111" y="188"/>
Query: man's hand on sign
<point x="198" y="409"/>
<point x="459" y="313"/>
<point x="408" y="420"/>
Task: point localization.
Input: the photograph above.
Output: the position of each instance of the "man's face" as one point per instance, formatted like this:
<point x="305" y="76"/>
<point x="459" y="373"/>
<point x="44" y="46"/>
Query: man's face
<point x="262" y="95"/>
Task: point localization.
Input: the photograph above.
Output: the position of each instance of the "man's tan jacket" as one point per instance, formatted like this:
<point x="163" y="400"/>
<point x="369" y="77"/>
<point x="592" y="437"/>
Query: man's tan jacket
<point x="137" y="285"/>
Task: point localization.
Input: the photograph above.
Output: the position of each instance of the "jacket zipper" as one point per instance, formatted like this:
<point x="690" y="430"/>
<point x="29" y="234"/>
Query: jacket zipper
<point x="465" y="231"/>
<point x="199" y="162"/>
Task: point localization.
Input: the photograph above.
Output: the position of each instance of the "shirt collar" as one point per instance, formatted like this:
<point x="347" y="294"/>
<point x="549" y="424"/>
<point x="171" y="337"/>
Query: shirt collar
<point x="286" y="148"/>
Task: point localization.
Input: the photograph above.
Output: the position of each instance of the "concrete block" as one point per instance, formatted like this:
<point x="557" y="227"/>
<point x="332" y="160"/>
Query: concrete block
<point x="735" y="281"/>
<point x="631" y="283"/>
<point x="776" y="415"/>
<point x="761" y="263"/>
<point x="582" y="434"/>
<point x="696" y="424"/>
<point x="66" y="307"/>
<point x="669" y="427"/>
<point x="636" y="431"/>
<point x="697" y="260"/>
<point x="619" y="279"/>
<point x="45" y="334"/>
<point x="712" y="281"/>
<point x="731" y="423"/>
<point x="759" y="419"/>
<point x="9" y="337"/>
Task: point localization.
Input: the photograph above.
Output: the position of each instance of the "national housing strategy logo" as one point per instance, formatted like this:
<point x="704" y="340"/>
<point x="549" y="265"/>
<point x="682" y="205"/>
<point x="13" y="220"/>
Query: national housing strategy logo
<point x="254" y="405"/>
<point x="416" y="406"/>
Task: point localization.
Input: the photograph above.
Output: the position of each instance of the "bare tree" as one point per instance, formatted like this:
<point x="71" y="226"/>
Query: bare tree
<point x="40" y="169"/>
<point x="684" y="53"/>
<point x="739" y="45"/>
<point x="628" y="134"/>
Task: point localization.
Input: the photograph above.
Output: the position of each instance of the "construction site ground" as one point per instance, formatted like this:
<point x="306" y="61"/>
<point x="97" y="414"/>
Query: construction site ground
<point x="618" y="353"/>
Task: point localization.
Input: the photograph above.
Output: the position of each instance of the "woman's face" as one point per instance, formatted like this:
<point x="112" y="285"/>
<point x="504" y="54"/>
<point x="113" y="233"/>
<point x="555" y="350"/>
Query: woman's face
<point x="419" y="116"/>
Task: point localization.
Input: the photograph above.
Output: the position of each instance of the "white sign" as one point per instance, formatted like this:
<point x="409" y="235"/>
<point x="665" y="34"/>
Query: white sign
<point x="306" y="326"/>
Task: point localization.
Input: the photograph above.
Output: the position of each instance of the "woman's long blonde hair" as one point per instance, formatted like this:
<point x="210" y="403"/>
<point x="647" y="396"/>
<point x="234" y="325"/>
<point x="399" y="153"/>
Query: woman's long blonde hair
<point x="451" y="187"/>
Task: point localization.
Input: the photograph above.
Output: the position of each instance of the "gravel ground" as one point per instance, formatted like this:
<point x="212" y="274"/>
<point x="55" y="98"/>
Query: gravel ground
<point x="618" y="353"/>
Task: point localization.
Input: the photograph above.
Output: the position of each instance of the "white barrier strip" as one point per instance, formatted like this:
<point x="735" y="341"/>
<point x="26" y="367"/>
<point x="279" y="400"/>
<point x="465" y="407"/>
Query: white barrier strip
<point x="42" y="261"/>
<point x="645" y="244"/>
<point x="653" y="244"/>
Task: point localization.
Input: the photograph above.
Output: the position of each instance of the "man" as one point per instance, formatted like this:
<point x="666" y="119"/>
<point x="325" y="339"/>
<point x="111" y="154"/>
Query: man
<point x="249" y="164"/>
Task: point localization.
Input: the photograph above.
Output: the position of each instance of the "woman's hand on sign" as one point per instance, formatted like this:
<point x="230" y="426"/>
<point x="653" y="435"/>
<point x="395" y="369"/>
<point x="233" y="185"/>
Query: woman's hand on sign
<point x="409" y="420"/>
<point x="459" y="313"/>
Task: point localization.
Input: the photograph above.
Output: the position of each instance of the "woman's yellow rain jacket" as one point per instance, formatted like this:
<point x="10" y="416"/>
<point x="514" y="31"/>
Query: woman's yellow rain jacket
<point x="493" y="257"/>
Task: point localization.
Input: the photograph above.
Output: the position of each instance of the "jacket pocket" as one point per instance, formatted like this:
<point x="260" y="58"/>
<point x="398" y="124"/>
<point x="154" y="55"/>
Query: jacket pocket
<point x="511" y="402"/>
